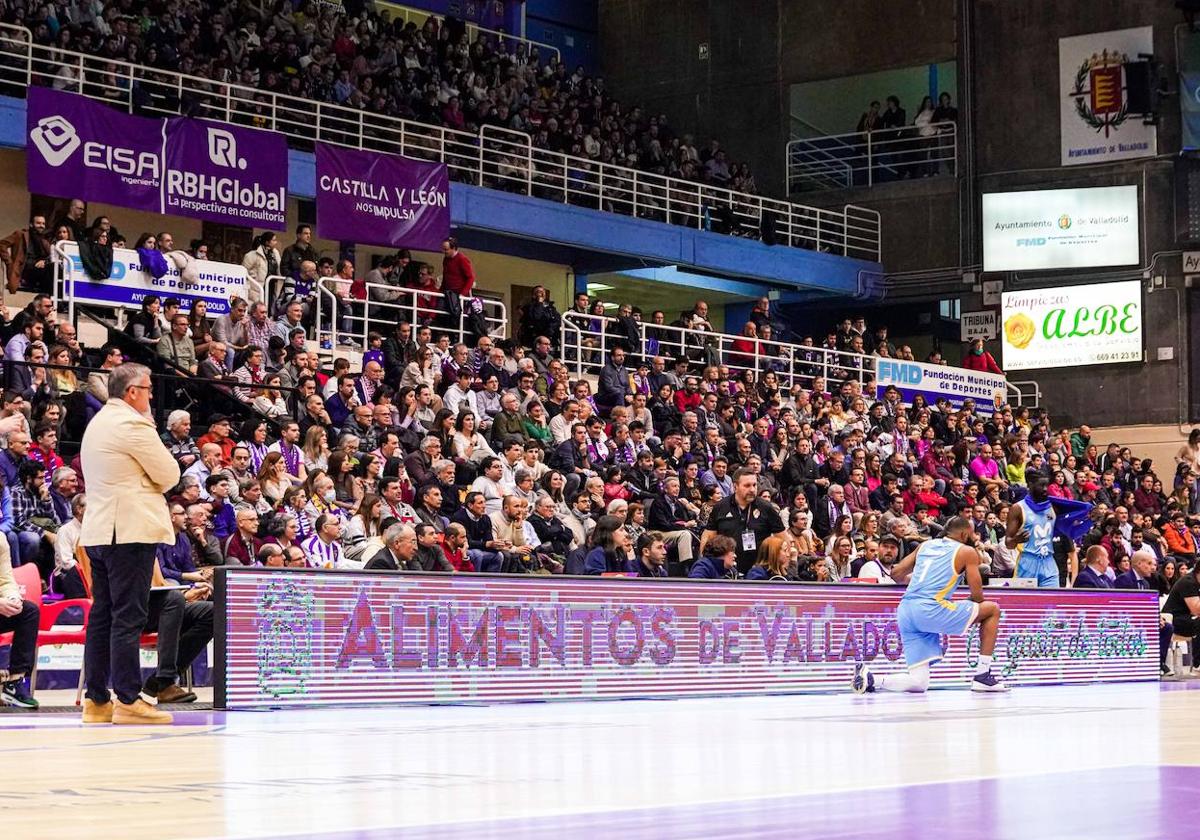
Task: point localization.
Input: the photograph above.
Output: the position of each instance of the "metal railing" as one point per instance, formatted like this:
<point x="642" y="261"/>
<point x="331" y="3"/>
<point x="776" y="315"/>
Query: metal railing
<point x="587" y="340"/>
<point x="1025" y="393"/>
<point x="495" y="158"/>
<point x="63" y="289"/>
<point x="341" y="319"/>
<point x="857" y="159"/>
<point x="419" y="16"/>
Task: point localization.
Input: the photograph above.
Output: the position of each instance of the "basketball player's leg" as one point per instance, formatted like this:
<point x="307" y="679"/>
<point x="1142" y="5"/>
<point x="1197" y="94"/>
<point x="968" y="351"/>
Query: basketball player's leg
<point x="922" y="647"/>
<point x="988" y="617"/>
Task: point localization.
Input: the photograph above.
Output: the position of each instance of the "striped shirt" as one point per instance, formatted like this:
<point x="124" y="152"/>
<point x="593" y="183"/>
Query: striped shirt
<point x="321" y="555"/>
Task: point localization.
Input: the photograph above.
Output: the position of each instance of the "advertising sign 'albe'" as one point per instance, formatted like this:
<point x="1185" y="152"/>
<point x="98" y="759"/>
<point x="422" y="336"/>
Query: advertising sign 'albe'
<point x="180" y="166"/>
<point x="1096" y="324"/>
<point x="381" y="199"/>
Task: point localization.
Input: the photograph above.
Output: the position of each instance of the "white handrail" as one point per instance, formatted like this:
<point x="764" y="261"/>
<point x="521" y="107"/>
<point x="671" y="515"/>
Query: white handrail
<point x="587" y="339"/>
<point x="496" y="158"/>
<point x="836" y="161"/>
<point x="381" y="316"/>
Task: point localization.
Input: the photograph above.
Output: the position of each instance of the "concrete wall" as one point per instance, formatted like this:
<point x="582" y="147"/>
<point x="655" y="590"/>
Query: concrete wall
<point x="757" y="50"/>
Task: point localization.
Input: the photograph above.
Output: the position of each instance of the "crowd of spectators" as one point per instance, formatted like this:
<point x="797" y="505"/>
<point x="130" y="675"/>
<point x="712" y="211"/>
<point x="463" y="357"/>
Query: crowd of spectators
<point x="488" y="455"/>
<point x="366" y="60"/>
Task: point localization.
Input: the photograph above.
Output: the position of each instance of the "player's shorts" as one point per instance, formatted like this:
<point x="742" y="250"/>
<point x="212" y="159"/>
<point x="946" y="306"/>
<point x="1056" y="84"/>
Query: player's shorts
<point x="1042" y="568"/>
<point x="923" y="623"/>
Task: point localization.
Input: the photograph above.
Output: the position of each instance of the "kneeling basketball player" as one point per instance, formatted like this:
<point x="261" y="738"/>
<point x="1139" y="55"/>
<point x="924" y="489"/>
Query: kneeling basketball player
<point x="934" y="570"/>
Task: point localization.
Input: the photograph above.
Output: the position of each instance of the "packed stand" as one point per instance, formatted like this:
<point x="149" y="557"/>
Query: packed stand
<point x="489" y="456"/>
<point x="364" y="60"/>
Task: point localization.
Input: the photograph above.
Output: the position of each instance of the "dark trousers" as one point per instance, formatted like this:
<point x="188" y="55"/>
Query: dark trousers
<point x="121" y="576"/>
<point x="24" y="627"/>
<point x="183" y="631"/>
<point x="69" y="584"/>
<point x="1164" y="642"/>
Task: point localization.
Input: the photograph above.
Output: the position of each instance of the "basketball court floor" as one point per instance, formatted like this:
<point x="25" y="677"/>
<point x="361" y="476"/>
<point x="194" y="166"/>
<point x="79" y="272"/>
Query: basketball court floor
<point x="1112" y="761"/>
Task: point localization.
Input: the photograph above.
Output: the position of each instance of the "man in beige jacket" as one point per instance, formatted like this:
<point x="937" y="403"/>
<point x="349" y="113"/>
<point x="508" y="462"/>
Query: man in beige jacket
<point x="128" y="470"/>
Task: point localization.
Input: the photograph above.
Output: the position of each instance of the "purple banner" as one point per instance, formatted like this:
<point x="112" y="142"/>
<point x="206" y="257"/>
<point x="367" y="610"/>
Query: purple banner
<point x="224" y="173"/>
<point x="78" y="148"/>
<point x="381" y="199"/>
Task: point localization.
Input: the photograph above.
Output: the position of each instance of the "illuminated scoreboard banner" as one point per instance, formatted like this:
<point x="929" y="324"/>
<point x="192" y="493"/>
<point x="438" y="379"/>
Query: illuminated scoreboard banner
<point x="1048" y="229"/>
<point x="307" y="638"/>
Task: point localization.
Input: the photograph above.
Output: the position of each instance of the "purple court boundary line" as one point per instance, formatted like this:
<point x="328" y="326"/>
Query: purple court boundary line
<point x="1155" y="800"/>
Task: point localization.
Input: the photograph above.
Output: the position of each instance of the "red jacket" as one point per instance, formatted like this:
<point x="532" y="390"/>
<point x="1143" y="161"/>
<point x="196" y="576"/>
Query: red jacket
<point x="984" y="363"/>
<point x="457" y="274"/>
<point x="687" y="402"/>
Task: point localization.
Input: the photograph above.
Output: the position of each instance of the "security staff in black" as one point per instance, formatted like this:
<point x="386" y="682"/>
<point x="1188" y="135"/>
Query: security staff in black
<point x="744" y="518"/>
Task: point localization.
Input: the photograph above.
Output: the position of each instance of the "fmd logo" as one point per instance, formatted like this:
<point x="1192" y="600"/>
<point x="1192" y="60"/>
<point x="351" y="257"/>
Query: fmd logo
<point x="900" y="373"/>
<point x="1031" y="243"/>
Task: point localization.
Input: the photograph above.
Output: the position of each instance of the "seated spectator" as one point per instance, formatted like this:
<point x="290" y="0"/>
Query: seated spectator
<point x="19" y="617"/>
<point x="429" y="550"/>
<point x="1180" y="541"/>
<point x="1094" y="575"/>
<point x="610" y="548"/>
<point x="399" y="552"/>
<point x="454" y="544"/>
<point x="178" y="439"/>
<point x="243" y="545"/>
<point x="324" y="549"/>
<point x="719" y="561"/>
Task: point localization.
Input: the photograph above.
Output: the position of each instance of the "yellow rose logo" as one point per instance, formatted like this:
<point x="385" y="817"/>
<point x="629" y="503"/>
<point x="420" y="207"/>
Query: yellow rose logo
<point x="1019" y="330"/>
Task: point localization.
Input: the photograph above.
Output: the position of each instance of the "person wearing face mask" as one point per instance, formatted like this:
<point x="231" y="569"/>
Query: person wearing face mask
<point x="979" y="359"/>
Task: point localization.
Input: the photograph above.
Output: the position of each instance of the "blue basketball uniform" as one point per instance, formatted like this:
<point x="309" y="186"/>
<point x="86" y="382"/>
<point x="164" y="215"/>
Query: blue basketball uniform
<point x="1036" y="559"/>
<point x="926" y="611"/>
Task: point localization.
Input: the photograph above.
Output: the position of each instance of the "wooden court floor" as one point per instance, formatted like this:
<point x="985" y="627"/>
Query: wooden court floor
<point x="1087" y="761"/>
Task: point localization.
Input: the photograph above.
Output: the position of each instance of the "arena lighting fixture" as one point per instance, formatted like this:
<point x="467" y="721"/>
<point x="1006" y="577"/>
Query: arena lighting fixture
<point x="599" y="287"/>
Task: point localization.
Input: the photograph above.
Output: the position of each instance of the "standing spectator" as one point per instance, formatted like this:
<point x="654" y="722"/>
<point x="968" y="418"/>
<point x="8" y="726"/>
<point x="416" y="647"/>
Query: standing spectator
<point x="26" y="252"/>
<point x="945" y="115"/>
<point x="127" y="470"/>
<point x="262" y="262"/>
<point x="298" y="252"/>
<point x="458" y="278"/>
<point x="980" y="359"/>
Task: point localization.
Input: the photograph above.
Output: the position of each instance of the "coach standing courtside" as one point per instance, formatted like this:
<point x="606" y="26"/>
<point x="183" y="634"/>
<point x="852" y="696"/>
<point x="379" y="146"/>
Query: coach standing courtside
<point x="127" y="470"/>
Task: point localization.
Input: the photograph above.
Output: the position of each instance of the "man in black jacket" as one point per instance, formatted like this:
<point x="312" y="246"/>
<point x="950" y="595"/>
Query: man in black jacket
<point x="398" y="350"/>
<point x="555" y="537"/>
<point x="671" y="515"/>
<point x="614" y="382"/>
<point x="398" y="552"/>
<point x="481" y="548"/>
<point x="430" y="557"/>
<point x="801" y="470"/>
<point x="299" y="251"/>
<point x="571" y="458"/>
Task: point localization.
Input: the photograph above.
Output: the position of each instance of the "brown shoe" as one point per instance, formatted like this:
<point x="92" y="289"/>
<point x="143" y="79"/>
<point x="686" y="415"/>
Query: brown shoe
<point x="93" y="712"/>
<point x="139" y="713"/>
<point x="175" y="694"/>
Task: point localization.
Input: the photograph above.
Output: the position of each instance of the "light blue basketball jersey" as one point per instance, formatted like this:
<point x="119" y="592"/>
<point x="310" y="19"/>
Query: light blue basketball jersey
<point x="934" y="577"/>
<point x="1040" y="545"/>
